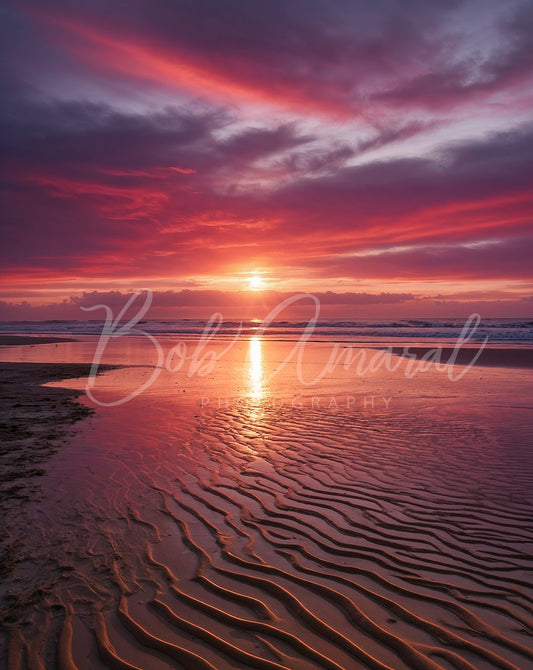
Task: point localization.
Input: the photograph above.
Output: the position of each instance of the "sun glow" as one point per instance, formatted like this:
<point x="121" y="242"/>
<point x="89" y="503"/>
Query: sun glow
<point x="255" y="283"/>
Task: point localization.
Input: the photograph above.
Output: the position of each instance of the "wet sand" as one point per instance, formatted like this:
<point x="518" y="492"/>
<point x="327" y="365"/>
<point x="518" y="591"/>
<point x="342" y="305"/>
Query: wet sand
<point x="251" y="535"/>
<point x="35" y="421"/>
<point x="34" y="417"/>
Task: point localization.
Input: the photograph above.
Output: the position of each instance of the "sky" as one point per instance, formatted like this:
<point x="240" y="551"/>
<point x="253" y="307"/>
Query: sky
<point x="228" y="153"/>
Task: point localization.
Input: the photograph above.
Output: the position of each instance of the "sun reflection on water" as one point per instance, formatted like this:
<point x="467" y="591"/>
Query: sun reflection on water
<point x="255" y="371"/>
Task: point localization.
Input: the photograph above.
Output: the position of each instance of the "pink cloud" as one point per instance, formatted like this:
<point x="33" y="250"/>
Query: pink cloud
<point x="101" y="179"/>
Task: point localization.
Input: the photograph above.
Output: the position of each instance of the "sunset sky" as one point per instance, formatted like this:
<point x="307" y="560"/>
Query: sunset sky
<point x="229" y="152"/>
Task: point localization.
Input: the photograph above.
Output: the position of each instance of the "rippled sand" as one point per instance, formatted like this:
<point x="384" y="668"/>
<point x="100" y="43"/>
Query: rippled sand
<point x="257" y="536"/>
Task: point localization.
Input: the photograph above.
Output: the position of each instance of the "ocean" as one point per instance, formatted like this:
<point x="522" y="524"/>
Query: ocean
<point x="498" y="331"/>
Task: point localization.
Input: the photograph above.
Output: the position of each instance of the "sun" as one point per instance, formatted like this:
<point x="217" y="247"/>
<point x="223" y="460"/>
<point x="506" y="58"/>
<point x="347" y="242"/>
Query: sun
<point x="255" y="283"/>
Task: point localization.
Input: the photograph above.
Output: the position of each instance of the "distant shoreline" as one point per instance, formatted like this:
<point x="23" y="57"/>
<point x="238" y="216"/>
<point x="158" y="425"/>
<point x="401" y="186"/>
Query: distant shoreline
<point x="505" y="357"/>
<point x="15" y="340"/>
<point x="498" y="358"/>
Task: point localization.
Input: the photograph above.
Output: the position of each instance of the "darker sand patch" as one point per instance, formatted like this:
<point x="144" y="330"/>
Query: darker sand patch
<point x="17" y="340"/>
<point x="34" y="422"/>
<point x="489" y="357"/>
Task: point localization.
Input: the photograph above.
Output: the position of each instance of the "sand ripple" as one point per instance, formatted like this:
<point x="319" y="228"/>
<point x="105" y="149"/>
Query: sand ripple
<point x="269" y="538"/>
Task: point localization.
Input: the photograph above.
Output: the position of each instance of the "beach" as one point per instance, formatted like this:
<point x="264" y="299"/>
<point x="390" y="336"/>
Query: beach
<point x="35" y="420"/>
<point x="231" y="521"/>
<point x="266" y="335"/>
